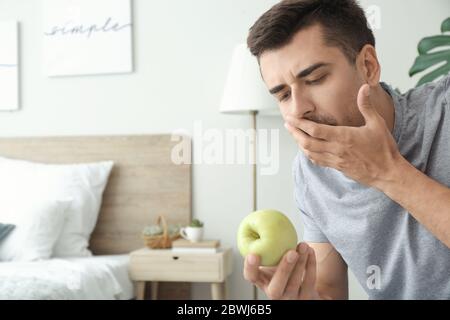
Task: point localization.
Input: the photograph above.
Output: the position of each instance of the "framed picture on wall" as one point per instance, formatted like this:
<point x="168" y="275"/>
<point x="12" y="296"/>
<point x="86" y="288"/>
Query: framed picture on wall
<point x="9" y="67"/>
<point x="87" y="37"/>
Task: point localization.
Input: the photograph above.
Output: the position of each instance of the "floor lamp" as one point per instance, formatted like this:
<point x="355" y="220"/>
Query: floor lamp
<point x="245" y="93"/>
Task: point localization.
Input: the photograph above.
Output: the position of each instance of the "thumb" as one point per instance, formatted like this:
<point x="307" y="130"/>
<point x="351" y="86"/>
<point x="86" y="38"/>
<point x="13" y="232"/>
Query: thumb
<point x="309" y="280"/>
<point x="364" y="104"/>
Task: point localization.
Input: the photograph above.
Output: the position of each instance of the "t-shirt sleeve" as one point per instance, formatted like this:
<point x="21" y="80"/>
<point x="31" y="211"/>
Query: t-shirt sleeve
<point x="311" y="232"/>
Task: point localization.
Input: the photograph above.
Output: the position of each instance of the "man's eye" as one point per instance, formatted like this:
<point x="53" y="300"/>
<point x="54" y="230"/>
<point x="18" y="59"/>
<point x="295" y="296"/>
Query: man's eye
<point x="285" y="96"/>
<point x="317" y="81"/>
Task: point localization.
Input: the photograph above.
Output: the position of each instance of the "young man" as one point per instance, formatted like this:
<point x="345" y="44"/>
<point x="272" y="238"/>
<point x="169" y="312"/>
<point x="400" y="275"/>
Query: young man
<point x="372" y="175"/>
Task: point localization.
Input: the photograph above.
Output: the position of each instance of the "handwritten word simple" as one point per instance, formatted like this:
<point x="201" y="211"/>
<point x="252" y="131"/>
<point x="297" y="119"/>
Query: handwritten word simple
<point x="87" y="30"/>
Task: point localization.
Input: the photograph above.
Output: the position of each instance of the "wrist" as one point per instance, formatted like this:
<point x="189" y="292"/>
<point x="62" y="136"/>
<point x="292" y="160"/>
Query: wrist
<point x="396" y="174"/>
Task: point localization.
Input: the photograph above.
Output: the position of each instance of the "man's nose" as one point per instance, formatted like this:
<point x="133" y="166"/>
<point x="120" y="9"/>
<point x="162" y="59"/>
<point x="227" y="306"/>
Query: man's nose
<point x="300" y="105"/>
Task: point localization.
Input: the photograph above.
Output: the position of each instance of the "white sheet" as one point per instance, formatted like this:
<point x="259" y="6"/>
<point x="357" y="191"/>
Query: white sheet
<point x="97" y="277"/>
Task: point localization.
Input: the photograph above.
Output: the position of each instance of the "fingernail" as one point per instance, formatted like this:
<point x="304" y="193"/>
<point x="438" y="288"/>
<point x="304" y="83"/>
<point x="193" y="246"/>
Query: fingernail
<point x="286" y="125"/>
<point x="251" y="259"/>
<point x="291" y="257"/>
<point x="303" y="248"/>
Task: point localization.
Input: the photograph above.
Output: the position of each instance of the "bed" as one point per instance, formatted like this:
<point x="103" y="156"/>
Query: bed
<point x="143" y="184"/>
<point x="85" y="278"/>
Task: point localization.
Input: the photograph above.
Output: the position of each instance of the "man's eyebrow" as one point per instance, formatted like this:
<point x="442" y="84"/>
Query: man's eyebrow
<point x="302" y="74"/>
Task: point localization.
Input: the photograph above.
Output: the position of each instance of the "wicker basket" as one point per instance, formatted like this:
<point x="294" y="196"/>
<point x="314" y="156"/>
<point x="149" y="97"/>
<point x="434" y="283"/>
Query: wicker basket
<point x="160" y="241"/>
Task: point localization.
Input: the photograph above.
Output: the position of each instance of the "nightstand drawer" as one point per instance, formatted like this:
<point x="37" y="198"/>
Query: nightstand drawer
<point x="164" y="265"/>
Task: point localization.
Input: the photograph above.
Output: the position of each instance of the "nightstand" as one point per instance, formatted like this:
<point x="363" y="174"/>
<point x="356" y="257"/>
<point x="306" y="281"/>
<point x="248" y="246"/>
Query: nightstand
<point x="154" y="265"/>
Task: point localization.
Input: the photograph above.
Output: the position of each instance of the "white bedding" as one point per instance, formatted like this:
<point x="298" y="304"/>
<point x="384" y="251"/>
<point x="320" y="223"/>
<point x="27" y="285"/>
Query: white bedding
<point x="97" y="277"/>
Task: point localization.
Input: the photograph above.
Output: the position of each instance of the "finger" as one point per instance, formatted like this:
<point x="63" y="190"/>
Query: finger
<point x="365" y="105"/>
<point x="251" y="270"/>
<point x="307" y="142"/>
<point x="325" y="159"/>
<point x="364" y="96"/>
<point x="266" y="273"/>
<point x="277" y="285"/>
<point x="270" y="270"/>
<point x="309" y="281"/>
<point x="316" y="130"/>
<point x="295" y="281"/>
<point x="266" y="277"/>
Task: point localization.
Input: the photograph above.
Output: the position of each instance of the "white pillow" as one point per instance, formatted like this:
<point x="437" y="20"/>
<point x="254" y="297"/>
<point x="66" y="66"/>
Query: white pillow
<point x="83" y="184"/>
<point x="38" y="223"/>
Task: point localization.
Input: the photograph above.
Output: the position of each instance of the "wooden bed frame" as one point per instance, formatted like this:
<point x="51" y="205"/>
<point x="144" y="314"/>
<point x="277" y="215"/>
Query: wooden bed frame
<point x="144" y="184"/>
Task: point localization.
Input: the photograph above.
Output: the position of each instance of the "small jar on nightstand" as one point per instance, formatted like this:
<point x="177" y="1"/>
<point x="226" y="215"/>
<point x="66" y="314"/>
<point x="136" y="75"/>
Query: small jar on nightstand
<point x="160" y="265"/>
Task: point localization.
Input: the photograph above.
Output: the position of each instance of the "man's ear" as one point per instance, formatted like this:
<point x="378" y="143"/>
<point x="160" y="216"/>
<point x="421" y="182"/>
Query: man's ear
<point x="367" y="62"/>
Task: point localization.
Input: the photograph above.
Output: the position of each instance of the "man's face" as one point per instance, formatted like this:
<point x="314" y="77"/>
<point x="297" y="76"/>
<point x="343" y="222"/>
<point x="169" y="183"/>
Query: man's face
<point x="313" y="81"/>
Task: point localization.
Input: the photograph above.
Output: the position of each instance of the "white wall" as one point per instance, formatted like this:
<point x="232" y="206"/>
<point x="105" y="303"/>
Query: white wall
<point x="182" y="51"/>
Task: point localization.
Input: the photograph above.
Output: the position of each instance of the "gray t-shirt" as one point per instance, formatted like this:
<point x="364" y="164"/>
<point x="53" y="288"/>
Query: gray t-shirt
<point x="392" y="255"/>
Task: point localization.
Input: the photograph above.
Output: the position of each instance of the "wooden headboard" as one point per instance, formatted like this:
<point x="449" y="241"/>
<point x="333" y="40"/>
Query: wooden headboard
<point x="144" y="182"/>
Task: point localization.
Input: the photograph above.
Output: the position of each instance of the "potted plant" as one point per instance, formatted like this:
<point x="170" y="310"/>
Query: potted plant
<point x="161" y="234"/>
<point x="193" y="232"/>
<point x="196" y="224"/>
<point x="429" y="57"/>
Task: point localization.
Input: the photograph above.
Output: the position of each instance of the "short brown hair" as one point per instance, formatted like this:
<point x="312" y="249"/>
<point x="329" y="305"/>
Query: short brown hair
<point x="343" y="21"/>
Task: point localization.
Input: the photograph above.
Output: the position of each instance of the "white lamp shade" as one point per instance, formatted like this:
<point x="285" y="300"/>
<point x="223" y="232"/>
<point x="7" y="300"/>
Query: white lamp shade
<point x="245" y="90"/>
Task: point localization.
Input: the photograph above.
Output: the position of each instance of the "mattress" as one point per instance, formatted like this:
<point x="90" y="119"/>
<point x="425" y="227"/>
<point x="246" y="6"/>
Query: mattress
<point x="87" y="278"/>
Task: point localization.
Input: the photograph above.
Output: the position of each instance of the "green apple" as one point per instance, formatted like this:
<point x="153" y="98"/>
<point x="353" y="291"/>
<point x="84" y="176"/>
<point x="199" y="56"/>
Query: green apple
<point x="268" y="234"/>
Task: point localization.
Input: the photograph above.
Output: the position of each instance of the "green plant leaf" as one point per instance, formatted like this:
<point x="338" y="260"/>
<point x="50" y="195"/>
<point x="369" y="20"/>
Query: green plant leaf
<point x="426" y="61"/>
<point x="435" y="74"/>
<point x="429" y="43"/>
<point x="196" y="223"/>
<point x="445" y="27"/>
